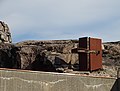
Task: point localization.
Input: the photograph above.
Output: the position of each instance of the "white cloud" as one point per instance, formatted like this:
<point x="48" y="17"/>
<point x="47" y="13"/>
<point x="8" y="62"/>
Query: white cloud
<point x="58" y="19"/>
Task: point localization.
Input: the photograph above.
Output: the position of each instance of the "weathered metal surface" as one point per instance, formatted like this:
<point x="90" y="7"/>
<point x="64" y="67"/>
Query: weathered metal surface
<point x="95" y="59"/>
<point x="83" y="59"/>
<point x="90" y="53"/>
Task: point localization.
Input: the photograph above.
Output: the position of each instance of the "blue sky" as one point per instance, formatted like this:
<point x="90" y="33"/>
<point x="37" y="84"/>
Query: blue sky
<point x="61" y="19"/>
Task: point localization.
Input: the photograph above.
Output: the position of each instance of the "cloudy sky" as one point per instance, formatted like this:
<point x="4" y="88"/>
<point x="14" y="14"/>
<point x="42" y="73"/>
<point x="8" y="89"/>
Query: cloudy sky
<point x="61" y="19"/>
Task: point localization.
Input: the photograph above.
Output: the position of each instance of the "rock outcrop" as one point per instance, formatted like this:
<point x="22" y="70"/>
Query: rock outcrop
<point x="8" y="56"/>
<point x="48" y="55"/>
<point x="111" y="54"/>
<point x="5" y="35"/>
<point x="55" y="55"/>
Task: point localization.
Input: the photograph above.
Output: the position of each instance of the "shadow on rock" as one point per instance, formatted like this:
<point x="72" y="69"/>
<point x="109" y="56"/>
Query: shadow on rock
<point x="41" y="63"/>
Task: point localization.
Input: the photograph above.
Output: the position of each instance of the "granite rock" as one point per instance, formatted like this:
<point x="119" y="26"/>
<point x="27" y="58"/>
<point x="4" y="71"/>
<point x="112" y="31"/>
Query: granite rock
<point x="5" y="35"/>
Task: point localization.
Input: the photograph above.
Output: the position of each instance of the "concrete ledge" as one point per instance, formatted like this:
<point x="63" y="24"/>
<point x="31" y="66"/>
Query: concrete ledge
<point x="17" y="80"/>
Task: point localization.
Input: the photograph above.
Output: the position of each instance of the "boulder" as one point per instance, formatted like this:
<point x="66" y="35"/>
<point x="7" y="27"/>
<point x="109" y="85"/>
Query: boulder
<point x="111" y="54"/>
<point x="5" y="35"/>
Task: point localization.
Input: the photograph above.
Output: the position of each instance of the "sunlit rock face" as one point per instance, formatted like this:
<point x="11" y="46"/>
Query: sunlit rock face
<point x="111" y="54"/>
<point x="52" y="55"/>
<point x="5" y="35"/>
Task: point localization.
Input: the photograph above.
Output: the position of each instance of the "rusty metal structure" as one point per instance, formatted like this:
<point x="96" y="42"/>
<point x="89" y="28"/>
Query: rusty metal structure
<point x="90" y="54"/>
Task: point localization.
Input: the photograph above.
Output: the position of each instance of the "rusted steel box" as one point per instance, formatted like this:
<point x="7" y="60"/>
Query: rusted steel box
<point x="90" y="54"/>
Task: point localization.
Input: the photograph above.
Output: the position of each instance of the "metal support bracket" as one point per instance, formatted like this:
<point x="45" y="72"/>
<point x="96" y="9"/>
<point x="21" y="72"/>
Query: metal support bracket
<point x="88" y="51"/>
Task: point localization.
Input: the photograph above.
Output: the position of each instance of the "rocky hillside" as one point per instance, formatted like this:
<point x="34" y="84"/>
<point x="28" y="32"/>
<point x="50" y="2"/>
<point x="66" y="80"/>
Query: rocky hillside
<point x="48" y="55"/>
<point x="111" y="54"/>
<point x="39" y="55"/>
<point x="55" y="55"/>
